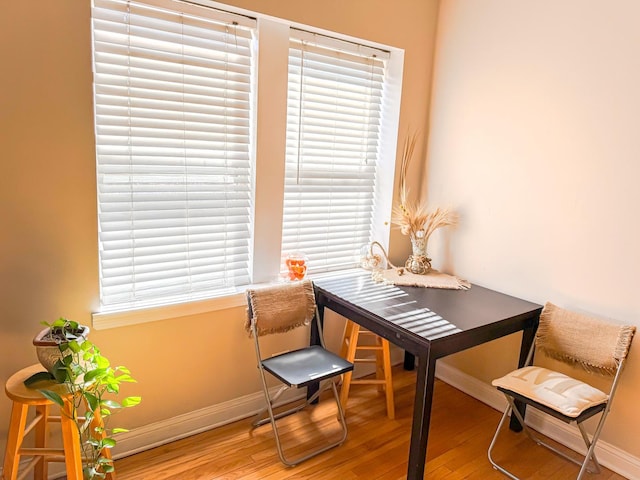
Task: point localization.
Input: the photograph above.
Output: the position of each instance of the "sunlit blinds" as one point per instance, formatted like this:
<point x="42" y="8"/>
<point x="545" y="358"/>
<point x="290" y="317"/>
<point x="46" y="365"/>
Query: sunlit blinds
<point x="333" y="125"/>
<point x="172" y="97"/>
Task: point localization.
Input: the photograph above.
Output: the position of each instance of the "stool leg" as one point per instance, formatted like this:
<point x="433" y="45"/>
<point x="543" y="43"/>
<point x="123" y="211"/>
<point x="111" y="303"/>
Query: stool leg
<point x="106" y="453"/>
<point x="41" y="470"/>
<point x="380" y="365"/>
<point x="350" y="355"/>
<point x="344" y="348"/>
<point x="71" y="443"/>
<point x="386" y="358"/>
<point x="14" y="440"/>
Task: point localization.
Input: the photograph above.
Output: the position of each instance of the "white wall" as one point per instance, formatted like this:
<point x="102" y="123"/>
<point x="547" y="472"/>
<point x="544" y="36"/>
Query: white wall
<point x="535" y="141"/>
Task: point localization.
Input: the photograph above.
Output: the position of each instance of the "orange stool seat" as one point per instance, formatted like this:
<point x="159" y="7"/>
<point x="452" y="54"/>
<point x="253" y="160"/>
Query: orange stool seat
<point x="23" y="398"/>
<point x="382" y="359"/>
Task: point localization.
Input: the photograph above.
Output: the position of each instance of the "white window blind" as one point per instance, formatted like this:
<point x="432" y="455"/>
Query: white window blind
<point x="333" y="126"/>
<point x="172" y="109"/>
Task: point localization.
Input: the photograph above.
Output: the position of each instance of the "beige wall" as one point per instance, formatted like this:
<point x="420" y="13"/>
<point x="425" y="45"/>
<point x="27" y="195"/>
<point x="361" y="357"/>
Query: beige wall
<point x="535" y="141"/>
<point x="48" y="240"/>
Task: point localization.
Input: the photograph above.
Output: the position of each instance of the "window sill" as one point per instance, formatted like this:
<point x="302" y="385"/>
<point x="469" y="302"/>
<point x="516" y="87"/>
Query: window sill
<point x="106" y="320"/>
<point x="103" y="321"/>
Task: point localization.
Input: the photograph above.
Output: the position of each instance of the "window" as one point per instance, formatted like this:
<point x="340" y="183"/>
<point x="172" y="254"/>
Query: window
<point x="172" y="109"/>
<point x="199" y="190"/>
<point x="333" y="125"/>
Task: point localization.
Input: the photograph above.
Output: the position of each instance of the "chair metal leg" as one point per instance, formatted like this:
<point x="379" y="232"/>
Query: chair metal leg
<point x="591" y="444"/>
<point x="258" y="419"/>
<point x="503" y="420"/>
<point x="527" y="430"/>
<point x="590" y="456"/>
<point x="584" y="464"/>
<point x="343" y="423"/>
<point x="273" y="417"/>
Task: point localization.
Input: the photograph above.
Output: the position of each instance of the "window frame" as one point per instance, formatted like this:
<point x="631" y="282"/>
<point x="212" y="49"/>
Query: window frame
<point x="270" y="110"/>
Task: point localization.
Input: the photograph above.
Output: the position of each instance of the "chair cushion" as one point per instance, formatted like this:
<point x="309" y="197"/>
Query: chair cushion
<point x="555" y="390"/>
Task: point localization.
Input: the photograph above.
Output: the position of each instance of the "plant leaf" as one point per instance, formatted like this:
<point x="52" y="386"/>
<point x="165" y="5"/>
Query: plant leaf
<point x="60" y="372"/>
<point x="93" y="374"/>
<point x="131" y="401"/>
<point x="92" y="400"/>
<point x="108" y="442"/>
<point x="38" y="377"/>
<point x="105" y="462"/>
<point x="102" y="361"/>
<point x="60" y="322"/>
<point x="53" y="396"/>
<point x="111" y="404"/>
<point x="74" y="346"/>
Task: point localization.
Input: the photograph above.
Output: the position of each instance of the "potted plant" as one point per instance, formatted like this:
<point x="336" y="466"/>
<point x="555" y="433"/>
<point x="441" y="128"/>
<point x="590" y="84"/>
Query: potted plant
<point x="93" y="385"/>
<point x="48" y="341"/>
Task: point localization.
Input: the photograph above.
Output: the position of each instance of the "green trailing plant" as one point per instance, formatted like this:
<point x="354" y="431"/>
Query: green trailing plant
<point x="93" y="384"/>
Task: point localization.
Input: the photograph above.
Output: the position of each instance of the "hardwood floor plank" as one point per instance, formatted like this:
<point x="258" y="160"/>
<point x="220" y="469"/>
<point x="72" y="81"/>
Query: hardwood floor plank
<point x="376" y="448"/>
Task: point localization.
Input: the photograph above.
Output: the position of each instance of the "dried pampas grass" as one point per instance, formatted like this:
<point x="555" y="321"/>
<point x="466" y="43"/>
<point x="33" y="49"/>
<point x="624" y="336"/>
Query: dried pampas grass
<point x="416" y="219"/>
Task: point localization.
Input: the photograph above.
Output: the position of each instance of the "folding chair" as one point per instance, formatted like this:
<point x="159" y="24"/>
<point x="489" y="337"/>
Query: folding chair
<point x="597" y="346"/>
<point x="280" y="309"/>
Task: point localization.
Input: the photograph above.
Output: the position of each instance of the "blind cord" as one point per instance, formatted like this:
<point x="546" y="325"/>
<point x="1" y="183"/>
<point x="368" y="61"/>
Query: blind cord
<point x="300" y="115"/>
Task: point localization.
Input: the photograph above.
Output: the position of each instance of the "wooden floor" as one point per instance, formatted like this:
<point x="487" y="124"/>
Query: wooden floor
<point x="376" y="448"/>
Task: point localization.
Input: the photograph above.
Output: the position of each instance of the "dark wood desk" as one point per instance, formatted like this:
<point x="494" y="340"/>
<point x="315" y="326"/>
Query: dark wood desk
<point x="428" y="323"/>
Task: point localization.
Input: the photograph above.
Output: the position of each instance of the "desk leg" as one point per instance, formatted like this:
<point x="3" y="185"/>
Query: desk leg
<point x="409" y="361"/>
<point x="528" y="336"/>
<point x="421" y="417"/>
<point x="315" y="340"/>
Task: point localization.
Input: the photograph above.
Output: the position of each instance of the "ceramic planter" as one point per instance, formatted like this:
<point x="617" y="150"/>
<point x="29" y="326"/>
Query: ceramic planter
<point x="47" y="344"/>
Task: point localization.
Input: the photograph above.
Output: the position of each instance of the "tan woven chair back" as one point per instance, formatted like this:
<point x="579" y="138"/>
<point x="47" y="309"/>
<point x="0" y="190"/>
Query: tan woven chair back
<point x="595" y="345"/>
<point x="280" y="308"/>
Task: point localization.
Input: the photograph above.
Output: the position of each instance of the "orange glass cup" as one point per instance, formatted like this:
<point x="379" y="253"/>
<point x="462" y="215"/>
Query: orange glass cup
<point x="296" y="266"/>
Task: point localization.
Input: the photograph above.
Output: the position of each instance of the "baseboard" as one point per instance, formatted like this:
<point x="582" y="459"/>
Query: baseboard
<point x="610" y="456"/>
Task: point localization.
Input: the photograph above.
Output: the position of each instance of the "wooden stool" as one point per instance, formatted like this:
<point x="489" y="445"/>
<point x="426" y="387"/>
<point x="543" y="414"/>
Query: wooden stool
<point x="23" y="398"/>
<point x="382" y="360"/>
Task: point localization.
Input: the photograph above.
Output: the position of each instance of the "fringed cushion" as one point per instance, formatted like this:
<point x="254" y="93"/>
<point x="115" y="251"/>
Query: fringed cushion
<point x="281" y="308"/>
<point x="555" y="390"/>
<point x="576" y="339"/>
